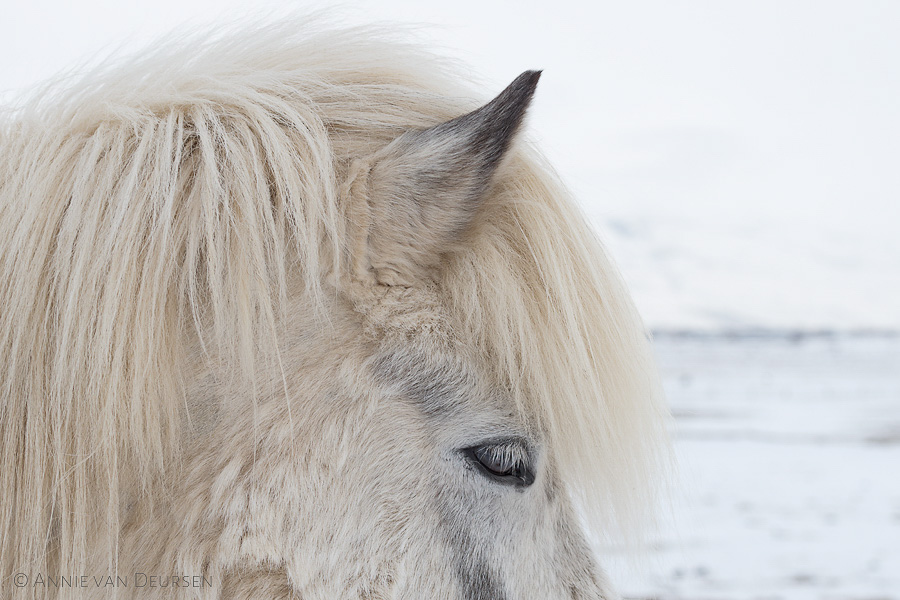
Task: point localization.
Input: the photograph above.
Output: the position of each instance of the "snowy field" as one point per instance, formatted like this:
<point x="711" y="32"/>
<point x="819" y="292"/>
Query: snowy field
<point x="789" y="450"/>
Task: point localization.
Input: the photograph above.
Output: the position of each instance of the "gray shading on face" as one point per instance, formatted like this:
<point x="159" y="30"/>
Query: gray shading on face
<point x="444" y="394"/>
<point x="477" y="580"/>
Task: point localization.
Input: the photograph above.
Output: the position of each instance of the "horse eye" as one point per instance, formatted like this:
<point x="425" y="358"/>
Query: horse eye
<point x="507" y="462"/>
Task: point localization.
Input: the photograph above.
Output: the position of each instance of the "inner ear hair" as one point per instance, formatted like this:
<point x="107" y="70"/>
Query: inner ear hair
<point x="415" y="198"/>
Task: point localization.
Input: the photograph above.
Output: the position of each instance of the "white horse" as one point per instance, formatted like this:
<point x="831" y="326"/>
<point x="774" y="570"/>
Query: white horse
<point x="283" y="314"/>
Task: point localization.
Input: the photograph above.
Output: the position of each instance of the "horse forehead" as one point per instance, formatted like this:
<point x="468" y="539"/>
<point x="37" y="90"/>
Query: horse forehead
<point x="437" y="385"/>
<point x="398" y="314"/>
<point x="441" y="384"/>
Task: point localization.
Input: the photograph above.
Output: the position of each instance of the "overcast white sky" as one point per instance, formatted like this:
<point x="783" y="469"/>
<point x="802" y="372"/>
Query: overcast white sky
<point x="741" y="159"/>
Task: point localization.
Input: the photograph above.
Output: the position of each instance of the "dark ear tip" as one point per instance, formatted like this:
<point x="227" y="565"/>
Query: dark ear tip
<point x="517" y="95"/>
<point x="526" y="83"/>
<point x="531" y="76"/>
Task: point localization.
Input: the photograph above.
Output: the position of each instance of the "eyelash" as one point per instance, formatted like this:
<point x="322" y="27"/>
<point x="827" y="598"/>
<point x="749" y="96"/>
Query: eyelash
<point x="506" y="462"/>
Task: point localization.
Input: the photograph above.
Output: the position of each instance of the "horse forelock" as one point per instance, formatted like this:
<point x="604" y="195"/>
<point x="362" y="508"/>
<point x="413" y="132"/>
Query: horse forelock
<point x="180" y="194"/>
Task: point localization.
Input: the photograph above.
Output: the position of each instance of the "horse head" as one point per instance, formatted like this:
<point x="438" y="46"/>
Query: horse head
<point x="339" y="338"/>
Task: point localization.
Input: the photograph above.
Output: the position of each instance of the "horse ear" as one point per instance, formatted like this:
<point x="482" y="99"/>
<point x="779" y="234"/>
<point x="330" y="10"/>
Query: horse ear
<point x="424" y="188"/>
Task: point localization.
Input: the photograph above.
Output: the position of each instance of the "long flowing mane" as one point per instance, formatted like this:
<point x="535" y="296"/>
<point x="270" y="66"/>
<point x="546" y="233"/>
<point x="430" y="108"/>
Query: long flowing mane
<point x="173" y="195"/>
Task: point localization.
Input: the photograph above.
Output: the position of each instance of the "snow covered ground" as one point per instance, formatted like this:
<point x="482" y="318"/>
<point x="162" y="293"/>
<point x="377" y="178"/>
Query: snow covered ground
<point x="714" y="274"/>
<point x="789" y="450"/>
